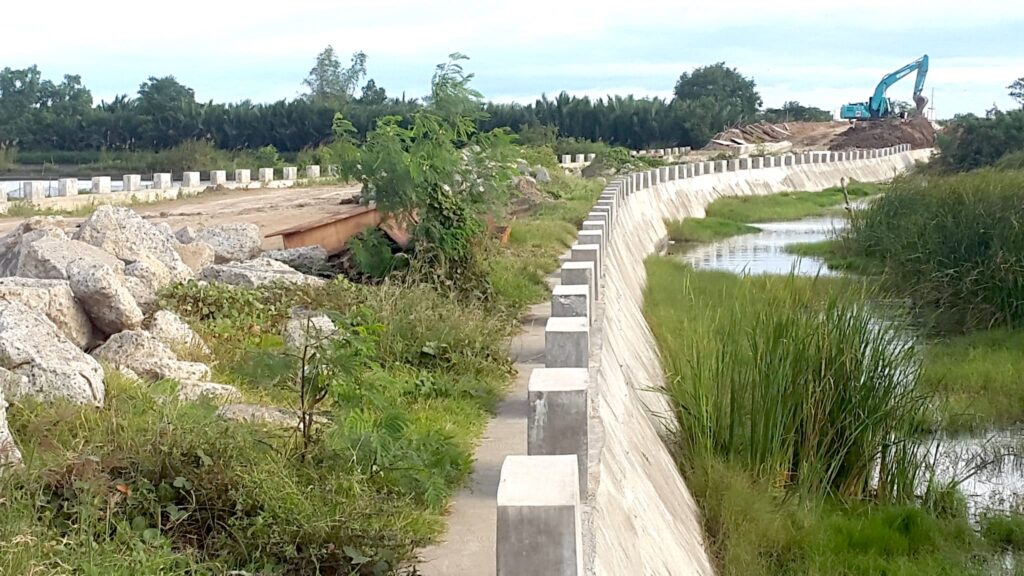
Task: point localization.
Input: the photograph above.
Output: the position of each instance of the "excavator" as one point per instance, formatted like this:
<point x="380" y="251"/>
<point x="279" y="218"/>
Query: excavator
<point x="879" y="106"/>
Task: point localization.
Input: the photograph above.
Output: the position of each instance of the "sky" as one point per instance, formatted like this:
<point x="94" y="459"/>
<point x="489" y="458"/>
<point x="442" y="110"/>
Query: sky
<point x="824" y="53"/>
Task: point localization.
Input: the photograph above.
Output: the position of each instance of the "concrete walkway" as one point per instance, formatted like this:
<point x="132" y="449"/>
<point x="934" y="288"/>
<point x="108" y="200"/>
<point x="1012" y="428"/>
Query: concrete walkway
<point x="467" y="549"/>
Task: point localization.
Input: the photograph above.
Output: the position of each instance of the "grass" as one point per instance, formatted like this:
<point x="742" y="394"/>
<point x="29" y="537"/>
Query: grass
<point x="981" y="378"/>
<point x="22" y="209"/>
<point x="787" y="205"/>
<point x="788" y="396"/>
<point x="837" y="256"/>
<point x="702" y="230"/>
<point x="148" y="485"/>
<point x="538" y="237"/>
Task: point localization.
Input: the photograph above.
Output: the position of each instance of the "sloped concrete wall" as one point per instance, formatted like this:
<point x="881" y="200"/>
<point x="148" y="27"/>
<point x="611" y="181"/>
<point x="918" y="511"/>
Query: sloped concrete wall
<point x="642" y="516"/>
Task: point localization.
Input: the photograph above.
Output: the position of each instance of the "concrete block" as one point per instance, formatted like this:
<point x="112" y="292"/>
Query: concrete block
<point x="132" y="182"/>
<point x="266" y="175"/>
<point x="744" y="163"/>
<point x="190" y="180"/>
<point x="67" y="187"/>
<point x="33" y="192"/>
<point x="312" y="171"/>
<point x="588" y="253"/>
<point x="162" y="181"/>
<point x="721" y="167"/>
<point x="597" y="237"/>
<point x="663" y="174"/>
<point x="756" y="163"/>
<point x="218" y="177"/>
<point x="571" y="302"/>
<point x="557" y="416"/>
<point x="566" y="159"/>
<point x="539" y="526"/>
<point x="597" y="225"/>
<point x="290" y="173"/>
<point x="567" y="343"/>
<point x="610" y="203"/>
<point x="243" y="176"/>
<point x="591" y="157"/>
<point x="787" y="160"/>
<point x="580" y="158"/>
<point x="638" y="181"/>
<point x="733" y="165"/>
<point x="601" y="216"/>
<point x="101" y="185"/>
<point x="656" y="177"/>
<point x="580" y="274"/>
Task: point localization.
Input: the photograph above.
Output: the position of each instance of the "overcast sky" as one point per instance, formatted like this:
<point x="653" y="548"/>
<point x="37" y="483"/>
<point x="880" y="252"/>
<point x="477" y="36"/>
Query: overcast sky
<point x="823" y="53"/>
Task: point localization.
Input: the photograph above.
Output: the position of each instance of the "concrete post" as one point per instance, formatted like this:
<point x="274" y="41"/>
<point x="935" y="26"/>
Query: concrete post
<point x="67" y="187"/>
<point x="566" y="159"/>
<point x="589" y="253"/>
<point x="312" y="171"/>
<point x="218" y="177"/>
<point x="571" y="302"/>
<point x="243" y="176"/>
<point x="756" y="163"/>
<point x="591" y="157"/>
<point x="266" y="175"/>
<point x="597" y="225"/>
<point x="733" y="165"/>
<point x="580" y="158"/>
<point x="539" y="527"/>
<point x="567" y="343"/>
<point x="601" y="216"/>
<point x="34" y="192"/>
<point x="606" y="213"/>
<point x="607" y="202"/>
<point x="290" y="173"/>
<point x="787" y="160"/>
<point x="190" y="180"/>
<point x="721" y="167"/>
<point x="580" y="274"/>
<point x="744" y="163"/>
<point x="597" y="237"/>
<point x="698" y="168"/>
<point x="663" y="174"/>
<point x="557" y="416"/>
<point x="655" y="177"/>
<point x="162" y="181"/>
<point x="101" y="185"/>
<point x="132" y="182"/>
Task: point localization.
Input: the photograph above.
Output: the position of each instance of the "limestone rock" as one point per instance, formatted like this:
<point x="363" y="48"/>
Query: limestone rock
<point x="527" y="186"/>
<point x="195" y="255"/>
<point x="170" y="329"/>
<point x="9" y="454"/>
<point x="55" y="299"/>
<point x="186" y="234"/>
<point x="523" y="168"/>
<point x="52" y="367"/>
<point x="307" y="327"/>
<point x="308" y="259"/>
<point x="25" y="233"/>
<point x="104" y="296"/>
<point x="165" y="229"/>
<point x="49" y="258"/>
<point x="232" y="242"/>
<point x="255" y="273"/>
<point x="257" y="414"/>
<point x="131" y="238"/>
<point x="541" y="174"/>
<point x="145" y="295"/>
<point x="192" y="391"/>
<point x="145" y="355"/>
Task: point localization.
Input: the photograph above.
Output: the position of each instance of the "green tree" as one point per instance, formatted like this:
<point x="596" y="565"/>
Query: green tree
<point x="793" y="111"/>
<point x="1017" y="90"/>
<point x="329" y="83"/>
<point x="713" y="97"/>
<point x="169" y="114"/>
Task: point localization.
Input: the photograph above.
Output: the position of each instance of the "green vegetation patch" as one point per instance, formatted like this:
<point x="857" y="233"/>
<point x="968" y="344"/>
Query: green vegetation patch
<point x="699" y="230"/>
<point x="837" y="256"/>
<point x="787" y="205"/>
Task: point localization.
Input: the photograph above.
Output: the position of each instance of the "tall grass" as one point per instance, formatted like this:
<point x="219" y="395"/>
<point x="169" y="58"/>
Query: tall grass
<point x="787" y="205"/>
<point x="791" y="378"/>
<point x="954" y="244"/>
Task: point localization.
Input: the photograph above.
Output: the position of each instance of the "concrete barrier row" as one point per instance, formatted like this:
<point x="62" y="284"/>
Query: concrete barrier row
<point x="662" y="152"/>
<point x="100" y="189"/>
<point x="541" y="495"/>
<point x="568" y="159"/>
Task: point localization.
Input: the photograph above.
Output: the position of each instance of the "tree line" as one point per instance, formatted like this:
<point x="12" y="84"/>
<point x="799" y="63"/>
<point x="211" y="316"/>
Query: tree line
<point x="41" y="115"/>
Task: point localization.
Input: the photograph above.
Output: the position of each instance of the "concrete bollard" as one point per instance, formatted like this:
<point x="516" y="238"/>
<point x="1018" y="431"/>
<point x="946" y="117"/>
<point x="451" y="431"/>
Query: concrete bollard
<point x="571" y="302"/>
<point x="744" y="163"/>
<point x="589" y="253"/>
<point x="132" y="182"/>
<point x="243" y="176"/>
<point x="787" y="160"/>
<point x="580" y="159"/>
<point x="539" y="526"/>
<point x="610" y="203"/>
<point x="580" y="274"/>
<point x="567" y="343"/>
<point x="597" y="237"/>
<point x="638" y="181"/>
<point x="597" y="225"/>
<point x="162" y="181"/>
<point x="646" y="183"/>
<point x="591" y="157"/>
<point x="699" y="168"/>
<point x="655" y="177"/>
<point x="733" y="165"/>
<point x="756" y="163"/>
<point x="601" y="216"/>
<point x="67" y="187"/>
<point x="312" y="171"/>
<point x="101" y="185"/>
<point x="721" y="166"/>
<point x="290" y="173"/>
<point x="663" y="174"/>
<point x="566" y="159"/>
<point x="557" y="416"/>
<point x="190" y="180"/>
<point x="34" y="192"/>
<point x="218" y="177"/>
<point x="606" y="211"/>
<point x="266" y="175"/>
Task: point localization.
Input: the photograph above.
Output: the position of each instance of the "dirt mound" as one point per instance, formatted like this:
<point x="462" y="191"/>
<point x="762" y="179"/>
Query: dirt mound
<point x="918" y="132"/>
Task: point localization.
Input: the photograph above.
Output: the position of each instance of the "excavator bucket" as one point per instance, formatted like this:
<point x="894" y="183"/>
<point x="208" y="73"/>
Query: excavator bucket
<point x="921" y="102"/>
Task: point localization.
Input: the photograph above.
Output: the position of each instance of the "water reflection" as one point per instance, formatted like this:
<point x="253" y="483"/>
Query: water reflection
<point x="765" y="252"/>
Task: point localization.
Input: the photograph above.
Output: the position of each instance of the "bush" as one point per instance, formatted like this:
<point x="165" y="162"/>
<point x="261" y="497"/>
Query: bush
<point x="970" y="142"/>
<point x="954" y="244"/>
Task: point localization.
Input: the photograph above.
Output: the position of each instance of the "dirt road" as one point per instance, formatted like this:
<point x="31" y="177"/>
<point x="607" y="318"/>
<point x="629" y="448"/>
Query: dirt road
<point x="270" y="209"/>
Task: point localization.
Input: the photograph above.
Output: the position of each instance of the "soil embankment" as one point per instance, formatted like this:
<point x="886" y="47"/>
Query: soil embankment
<point x="918" y="132"/>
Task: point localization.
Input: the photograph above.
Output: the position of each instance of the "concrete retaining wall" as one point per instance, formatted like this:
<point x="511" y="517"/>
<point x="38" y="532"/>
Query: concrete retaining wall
<point x="639" y="516"/>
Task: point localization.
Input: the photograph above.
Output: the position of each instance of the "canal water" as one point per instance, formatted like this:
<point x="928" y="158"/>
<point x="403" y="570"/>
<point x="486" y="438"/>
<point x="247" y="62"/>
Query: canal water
<point x="988" y="469"/>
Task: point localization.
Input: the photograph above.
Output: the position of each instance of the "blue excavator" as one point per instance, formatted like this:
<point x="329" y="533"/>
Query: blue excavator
<point x="879" y="106"/>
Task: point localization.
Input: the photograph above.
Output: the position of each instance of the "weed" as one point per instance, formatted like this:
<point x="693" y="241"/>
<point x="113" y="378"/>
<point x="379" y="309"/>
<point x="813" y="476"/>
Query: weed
<point x="787" y="205"/>
<point x="705" y="229"/>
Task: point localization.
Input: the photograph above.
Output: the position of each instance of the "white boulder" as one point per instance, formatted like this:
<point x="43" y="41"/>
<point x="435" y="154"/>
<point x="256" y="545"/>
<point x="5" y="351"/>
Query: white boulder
<point x="129" y="237"/>
<point x="51" y="366"/>
<point x="143" y="354"/>
<point x="193" y="391"/>
<point x="9" y="453"/>
<point x="305" y="328"/>
<point x="195" y="255"/>
<point x="259" y="414"/>
<point x="55" y="299"/>
<point x="306" y="258"/>
<point x="49" y="257"/>
<point x="170" y="329"/>
<point x="232" y="242"/>
<point x="104" y="297"/>
<point x="256" y="273"/>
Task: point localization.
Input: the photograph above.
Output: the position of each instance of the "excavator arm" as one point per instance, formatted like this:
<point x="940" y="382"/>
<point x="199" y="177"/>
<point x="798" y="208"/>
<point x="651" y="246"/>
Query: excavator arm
<point x="879" y="103"/>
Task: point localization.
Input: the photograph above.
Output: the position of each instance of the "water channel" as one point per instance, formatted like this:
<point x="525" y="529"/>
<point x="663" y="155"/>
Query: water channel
<point x="988" y="468"/>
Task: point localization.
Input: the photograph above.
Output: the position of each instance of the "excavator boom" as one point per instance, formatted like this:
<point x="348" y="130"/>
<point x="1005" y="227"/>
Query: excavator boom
<point x="878" y="105"/>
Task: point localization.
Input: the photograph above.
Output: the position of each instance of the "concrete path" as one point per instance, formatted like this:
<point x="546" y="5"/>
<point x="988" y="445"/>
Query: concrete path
<point x="467" y="549"/>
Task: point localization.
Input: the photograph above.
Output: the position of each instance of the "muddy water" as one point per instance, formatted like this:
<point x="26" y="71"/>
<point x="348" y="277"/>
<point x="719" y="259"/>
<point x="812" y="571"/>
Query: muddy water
<point x="989" y="469"/>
